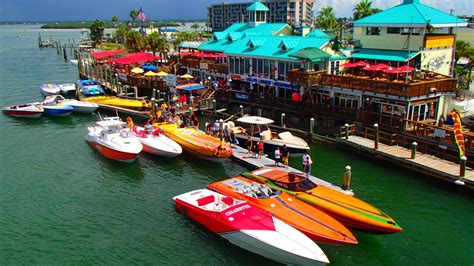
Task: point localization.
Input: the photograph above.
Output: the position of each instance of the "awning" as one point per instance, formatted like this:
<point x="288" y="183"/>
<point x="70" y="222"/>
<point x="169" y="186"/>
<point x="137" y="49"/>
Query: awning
<point x="385" y="55"/>
<point x="189" y="45"/>
<point x="105" y="54"/>
<point x="135" y="58"/>
<point x="190" y="87"/>
<point x="312" y="54"/>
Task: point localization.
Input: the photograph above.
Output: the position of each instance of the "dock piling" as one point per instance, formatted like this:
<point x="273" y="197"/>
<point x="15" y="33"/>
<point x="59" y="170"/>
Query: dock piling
<point x="347" y="130"/>
<point x="241" y="111"/>
<point x="462" y="169"/>
<point x="311" y="126"/>
<point x="259" y="112"/>
<point x="65" y="53"/>
<point x="376" y="133"/>
<point x="282" y="120"/>
<point x="346" y="182"/>
<point x="214" y="105"/>
<point x="413" y="150"/>
<point x="221" y="129"/>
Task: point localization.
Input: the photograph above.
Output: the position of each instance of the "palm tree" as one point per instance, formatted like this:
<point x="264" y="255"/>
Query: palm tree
<point x="135" y="41"/>
<point x="115" y="21"/>
<point x="326" y="19"/>
<point x="133" y="16"/>
<point x="364" y="9"/>
<point x="156" y="43"/>
<point x="463" y="49"/>
<point x="195" y="26"/>
<point x="121" y="33"/>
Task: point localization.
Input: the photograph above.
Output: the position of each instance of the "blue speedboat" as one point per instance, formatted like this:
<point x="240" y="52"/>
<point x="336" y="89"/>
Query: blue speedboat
<point x="90" y="87"/>
<point x="57" y="109"/>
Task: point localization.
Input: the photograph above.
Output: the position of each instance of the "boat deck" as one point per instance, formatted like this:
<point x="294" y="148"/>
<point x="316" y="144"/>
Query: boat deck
<point x="240" y="154"/>
<point x="424" y="163"/>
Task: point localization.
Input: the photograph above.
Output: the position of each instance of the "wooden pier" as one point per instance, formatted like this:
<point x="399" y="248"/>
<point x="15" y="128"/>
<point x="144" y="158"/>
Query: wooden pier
<point x="422" y="163"/>
<point x="240" y="154"/>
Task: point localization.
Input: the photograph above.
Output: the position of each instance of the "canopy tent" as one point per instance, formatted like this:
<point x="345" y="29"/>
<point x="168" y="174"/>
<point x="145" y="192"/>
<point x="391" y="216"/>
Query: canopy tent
<point x="312" y="54"/>
<point x="186" y="76"/>
<point x="105" y="54"/>
<point x="151" y="74"/>
<point x="149" y="67"/>
<point x="256" y="120"/>
<point x="134" y="58"/>
<point x="384" y="55"/>
<point x="162" y="74"/>
<point x="137" y="70"/>
<point x="190" y="87"/>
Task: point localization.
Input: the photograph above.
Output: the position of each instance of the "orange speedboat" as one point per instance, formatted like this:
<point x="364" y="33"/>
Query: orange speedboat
<point x="350" y="211"/>
<point x="314" y="223"/>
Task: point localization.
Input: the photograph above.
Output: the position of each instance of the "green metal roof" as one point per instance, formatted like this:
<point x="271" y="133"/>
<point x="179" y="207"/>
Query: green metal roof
<point x="257" y="6"/>
<point x="387" y="55"/>
<point x="312" y="54"/>
<point x="317" y="33"/>
<point x="411" y="13"/>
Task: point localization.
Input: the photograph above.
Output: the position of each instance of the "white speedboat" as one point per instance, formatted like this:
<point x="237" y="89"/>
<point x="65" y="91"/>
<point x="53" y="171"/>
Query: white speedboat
<point x="28" y="110"/>
<point x="78" y="106"/>
<point x="50" y="89"/>
<point x="258" y="129"/>
<point x="112" y="138"/>
<point x="157" y="143"/>
<point x="67" y="88"/>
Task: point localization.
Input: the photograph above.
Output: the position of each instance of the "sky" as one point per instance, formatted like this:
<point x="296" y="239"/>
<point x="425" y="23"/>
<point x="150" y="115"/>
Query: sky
<point x="78" y="10"/>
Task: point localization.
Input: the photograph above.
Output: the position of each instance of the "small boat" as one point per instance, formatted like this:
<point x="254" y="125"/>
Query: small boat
<point x="90" y="87"/>
<point x="78" y="106"/>
<point x="271" y="140"/>
<point x="73" y="61"/>
<point x="50" y="89"/>
<point x="197" y="142"/>
<point x="157" y="143"/>
<point x="112" y="138"/>
<point x="56" y="109"/>
<point x="249" y="227"/>
<point x="120" y="102"/>
<point x="67" y="88"/>
<point x="350" y="211"/>
<point x="312" y="222"/>
<point x="27" y="110"/>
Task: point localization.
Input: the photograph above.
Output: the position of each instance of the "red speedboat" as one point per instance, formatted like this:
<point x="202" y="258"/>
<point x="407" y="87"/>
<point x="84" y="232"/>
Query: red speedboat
<point x="249" y="227"/>
<point x="28" y="110"/>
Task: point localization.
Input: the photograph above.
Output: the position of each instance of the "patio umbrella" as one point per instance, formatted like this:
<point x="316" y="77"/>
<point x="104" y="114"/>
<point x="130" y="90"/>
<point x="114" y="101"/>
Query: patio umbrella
<point x="137" y="70"/>
<point x="151" y="73"/>
<point x="406" y="68"/>
<point x="382" y="66"/>
<point x="391" y="70"/>
<point x="186" y="76"/>
<point x="348" y="65"/>
<point x="372" y="68"/>
<point x="149" y="67"/>
<point x="162" y="74"/>
<point x="361" y="63"/>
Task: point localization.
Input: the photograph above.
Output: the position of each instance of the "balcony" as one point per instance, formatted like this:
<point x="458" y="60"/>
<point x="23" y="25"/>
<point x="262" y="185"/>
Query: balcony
<point x="204" y="65"/>
<point x="302" y="77"/>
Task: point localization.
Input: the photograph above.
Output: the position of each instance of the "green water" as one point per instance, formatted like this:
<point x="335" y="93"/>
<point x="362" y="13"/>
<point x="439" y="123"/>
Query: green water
<point x="63" y="203"/>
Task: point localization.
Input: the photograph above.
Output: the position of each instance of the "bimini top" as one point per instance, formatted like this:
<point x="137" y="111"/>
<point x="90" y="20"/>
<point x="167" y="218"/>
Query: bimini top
<point x="256" y="120"/>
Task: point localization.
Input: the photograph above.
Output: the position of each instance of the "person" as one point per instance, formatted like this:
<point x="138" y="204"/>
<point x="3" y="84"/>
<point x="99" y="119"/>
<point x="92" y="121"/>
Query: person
<point x="233" y="139"/>
<point x="307" y="162"/>
<point x="208" y="128"/>
<point x="249" y="144"/>
<point x="277" y="157"/>
<point x="260" y="148"/>
<point x="148" y="128"/>
<point x="285" y="153"/>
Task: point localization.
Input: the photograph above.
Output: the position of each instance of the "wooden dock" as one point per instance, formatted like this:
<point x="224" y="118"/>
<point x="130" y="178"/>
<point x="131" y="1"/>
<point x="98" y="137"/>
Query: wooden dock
<point x="423" y="163"/>
<point x="240" y="154"/>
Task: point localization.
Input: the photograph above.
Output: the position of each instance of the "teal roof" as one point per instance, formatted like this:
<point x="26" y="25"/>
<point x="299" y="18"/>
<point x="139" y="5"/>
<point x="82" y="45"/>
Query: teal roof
<point x="411" y="13"/>
<point x="386" y="55"/>
<point x="219" y="35"/>
<point x="235" y="35"/>
<point x="256" y="42"/>
<point x="289" y="44"/>
<point x="312" y="54"/>
<point x="257" y="6"/>
<point x="317" y="33"/>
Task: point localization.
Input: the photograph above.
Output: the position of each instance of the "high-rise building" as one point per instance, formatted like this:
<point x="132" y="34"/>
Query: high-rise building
<point x="221" y="16"/>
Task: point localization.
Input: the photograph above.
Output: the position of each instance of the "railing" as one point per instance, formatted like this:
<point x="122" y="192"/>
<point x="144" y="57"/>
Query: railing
<point x="347" y="130"/>
<point x="302" y="77"/>
<point x="204" y="64"/>
<point x="384" y="137"/>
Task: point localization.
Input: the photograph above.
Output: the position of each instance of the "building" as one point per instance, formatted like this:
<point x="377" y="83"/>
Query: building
<point x="221" y="16"/>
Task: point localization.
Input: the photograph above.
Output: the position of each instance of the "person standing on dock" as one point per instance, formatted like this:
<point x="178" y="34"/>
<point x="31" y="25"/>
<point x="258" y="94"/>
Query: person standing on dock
<point x="277" y="157"/>
<point x="249" y="144"/>
<point x="285" y="153"/>
<point x="307" y="162"/>
<point x="260" y="148"/>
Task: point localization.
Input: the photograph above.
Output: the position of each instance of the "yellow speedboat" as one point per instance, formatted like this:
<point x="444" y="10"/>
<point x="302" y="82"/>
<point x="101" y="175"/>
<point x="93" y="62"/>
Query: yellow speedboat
<point x="119" y="102"/>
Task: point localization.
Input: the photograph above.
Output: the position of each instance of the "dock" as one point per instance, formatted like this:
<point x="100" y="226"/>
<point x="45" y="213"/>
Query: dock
<point x="422" y="163"/>
<point x="240" y="154"/>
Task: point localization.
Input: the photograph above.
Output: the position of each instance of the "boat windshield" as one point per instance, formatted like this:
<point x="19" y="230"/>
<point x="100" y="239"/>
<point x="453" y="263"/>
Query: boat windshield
<point x="300" y="185"/>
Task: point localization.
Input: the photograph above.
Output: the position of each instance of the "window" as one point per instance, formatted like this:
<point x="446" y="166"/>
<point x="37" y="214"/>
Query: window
<point x="393" y="30"/>
<point x="373" y="31"/>
<point x="414" y="31"/>
<point x="335" y="67"/>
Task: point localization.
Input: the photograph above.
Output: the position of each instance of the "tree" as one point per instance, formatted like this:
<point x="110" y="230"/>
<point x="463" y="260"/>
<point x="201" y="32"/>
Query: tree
<point x="121" y="33"/>
<point x="133" y="16"/>
<point x="135" y="41"/>
<point x="326" y="19"/>
<point x="97" y="31"/>
<point x="115" y="21"/>
<point x="156" y="43"/>
<point x="195" y="26"/>
<point x="183" y="37"/>
<point x="463" y="49"/>
<point x="364" y="9"/>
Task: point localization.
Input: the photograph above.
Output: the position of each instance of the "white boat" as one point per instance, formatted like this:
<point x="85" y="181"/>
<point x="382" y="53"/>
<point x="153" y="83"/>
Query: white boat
<point x="271" y="140"/>
<point x="78" y="106"/>
<point x="157" y="143"/>
<point x="112" y="138"/>
<point x="67" y="88"/>
<point x="50" y="89"/>
<point x="249" y="228"/>
<point x="73" y="61"/>
<point x="28" y="110"/>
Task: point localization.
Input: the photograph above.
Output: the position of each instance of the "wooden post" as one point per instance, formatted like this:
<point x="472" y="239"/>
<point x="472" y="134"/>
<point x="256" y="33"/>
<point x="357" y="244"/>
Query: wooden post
<point x="221" y="129"/>
<point x="106" y="79"/>
<point x="153" y="106"/>
<point x="347" y="130"/>
<point x="311" y="126"/>
<point x="241" y="111"/>
<point x="214" y="104"/>
<point x="117" y="83"/>
<point x="135" y="92"/>
<point x="64" y="53"/>
<point x="413" y="150"/>
<point x="346" y="181"/>
<point x="376" y="140"/>
<point x="462" y="169"/>
<point x="190" y="114"/>
<point x="259" y="112"/>
<point x="282" y="120"/>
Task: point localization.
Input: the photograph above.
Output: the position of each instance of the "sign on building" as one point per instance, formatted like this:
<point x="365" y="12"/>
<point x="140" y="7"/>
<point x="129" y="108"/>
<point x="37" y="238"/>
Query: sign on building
<point x="439" y="41"/>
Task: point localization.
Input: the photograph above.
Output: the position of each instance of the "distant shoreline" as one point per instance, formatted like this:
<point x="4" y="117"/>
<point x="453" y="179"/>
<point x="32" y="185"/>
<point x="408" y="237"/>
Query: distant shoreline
<point x="87" y="24"/>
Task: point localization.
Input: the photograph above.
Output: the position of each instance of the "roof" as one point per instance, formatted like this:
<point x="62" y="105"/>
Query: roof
<point x="257" y="6"/>
<point x="190" y="87"/>
<point x="312" y="54"/>
<point x="317" y="33"/>
<point x="168" y="30"/>
<point x="388" y="55"/>
<point x="411" y="13"/>
<point x="192" y="45"/>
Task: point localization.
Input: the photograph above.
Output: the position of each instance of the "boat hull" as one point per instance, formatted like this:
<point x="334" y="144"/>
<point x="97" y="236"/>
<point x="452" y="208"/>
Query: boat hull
<point x="158" y="144"/>
<point x="54" y="111"/>
<point x="113" y="154"/>
<point x="23" y="114"/>
<point x="269" y="146"/>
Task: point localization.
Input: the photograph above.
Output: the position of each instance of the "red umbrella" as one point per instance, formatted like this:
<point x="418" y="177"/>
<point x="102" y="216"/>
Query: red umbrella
<point x="361" y="63"/>
<point x="406" y="68"/>
<point x="184" y="53"/>
<point x="348" y="65"/>
<point x="382" y="66"/>
<point x="221" y="55"/>
<point x="391" y="70"/>
<point x="372" y="68"/>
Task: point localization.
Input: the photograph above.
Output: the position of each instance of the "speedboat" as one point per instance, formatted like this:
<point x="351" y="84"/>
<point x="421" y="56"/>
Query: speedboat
<point x="258" y="129"/>
<point x="50" y="89"/>
<point x="27" y="110"/>
<point x="112" y="138"/>
<point x="350" y="211"/>
<point x="67" y="88"/>
<point x="119" y="102"/>
<point x="249" y="228"/>
<point x="312" y="222"/>
<point x="157" y="143"/>
<point x="78" y="106"/>
<point x="90" y="87"/>
<point x="53" y="108"/>
<point x="197" y="142"/>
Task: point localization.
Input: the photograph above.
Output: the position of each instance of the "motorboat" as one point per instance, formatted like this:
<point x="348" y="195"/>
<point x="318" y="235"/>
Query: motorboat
<point x="312" y="222"/>
<point x="50" y="89"/>
<point x="258" y="129"/>
<point x="27" y="110"/>
<point x="350" y="211"/>
<point x="90" y="87"/>
<point x="120" y="102"/>
<point x="197" y="142"/>
<point x="78" y="106"/>
<point x="67" y="88"/>
<point x="52" y="108"/>
<point x="112" y="138"/>
<point x="155" y="142"/>
<point x="249" y="228"/>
